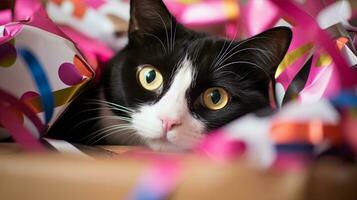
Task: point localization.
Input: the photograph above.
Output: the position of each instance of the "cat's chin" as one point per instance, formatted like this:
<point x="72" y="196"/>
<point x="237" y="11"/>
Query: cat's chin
<point x="164" y="145"/>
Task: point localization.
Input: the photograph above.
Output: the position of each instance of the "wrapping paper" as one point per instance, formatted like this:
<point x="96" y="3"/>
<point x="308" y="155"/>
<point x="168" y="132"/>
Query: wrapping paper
<point x="40" y="69"/>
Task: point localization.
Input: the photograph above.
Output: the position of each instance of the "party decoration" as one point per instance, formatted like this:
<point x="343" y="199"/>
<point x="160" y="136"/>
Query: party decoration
<point x="78" y="17"/>
<point x="32" y="51"/>
<point x="41" y="70"/>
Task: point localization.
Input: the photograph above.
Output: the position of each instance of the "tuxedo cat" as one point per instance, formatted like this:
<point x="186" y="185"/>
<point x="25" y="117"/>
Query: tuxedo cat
<point x="171" y="85"/>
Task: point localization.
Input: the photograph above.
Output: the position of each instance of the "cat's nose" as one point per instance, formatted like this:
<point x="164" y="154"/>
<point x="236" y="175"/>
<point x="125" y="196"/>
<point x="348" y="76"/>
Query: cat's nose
<point x="169" y="124"/>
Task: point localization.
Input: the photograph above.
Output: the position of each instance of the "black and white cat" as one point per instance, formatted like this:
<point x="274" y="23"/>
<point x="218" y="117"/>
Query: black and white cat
<point x="171" y="85"/>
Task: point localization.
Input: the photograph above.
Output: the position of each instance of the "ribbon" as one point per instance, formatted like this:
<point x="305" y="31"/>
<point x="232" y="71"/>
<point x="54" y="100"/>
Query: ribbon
<point x="10" y="99"/>
<point x="345" y="99"/>
<point x="41" y="81"/>
<point x="295" y="148"/>
<point x="312" y="132"/>
<point x="217" y="146"/>
<point x="293" y="156"/>
<point x="158" y="181"/>
<point x="5" y="17"/>
<point x="20" y="134"/>
<point x="314" y="32"/>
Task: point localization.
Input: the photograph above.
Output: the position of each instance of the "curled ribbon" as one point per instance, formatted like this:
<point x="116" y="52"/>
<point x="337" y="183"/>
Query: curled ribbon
<point x="41" y="81"/>
<point x="315" y="33"/>
<point x="20" y="134"/>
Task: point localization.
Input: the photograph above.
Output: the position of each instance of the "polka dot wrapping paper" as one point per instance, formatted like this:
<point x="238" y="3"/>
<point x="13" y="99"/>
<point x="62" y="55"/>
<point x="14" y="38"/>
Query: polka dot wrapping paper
<point x="40" y="69"/>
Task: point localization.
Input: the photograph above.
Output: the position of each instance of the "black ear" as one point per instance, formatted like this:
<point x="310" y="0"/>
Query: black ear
<point x="149" y="17"/>
<point x="268" y="48"/>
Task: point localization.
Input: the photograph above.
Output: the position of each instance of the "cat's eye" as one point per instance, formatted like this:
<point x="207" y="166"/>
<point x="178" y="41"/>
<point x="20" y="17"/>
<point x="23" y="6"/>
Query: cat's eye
<point x="150" y="78"/>
<point x="215" y="98"/>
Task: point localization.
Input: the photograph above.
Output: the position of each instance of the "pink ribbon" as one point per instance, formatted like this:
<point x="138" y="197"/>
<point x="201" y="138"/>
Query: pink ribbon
<point x="10" y="121"/>
<point x="258" y="16"/>
<point x="218" y="146"/>
<point x="5" y="17"/>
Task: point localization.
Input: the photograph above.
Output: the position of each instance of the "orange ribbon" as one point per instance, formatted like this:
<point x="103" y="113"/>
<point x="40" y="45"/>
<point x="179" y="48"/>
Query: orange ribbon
<point x="313" y="132"/>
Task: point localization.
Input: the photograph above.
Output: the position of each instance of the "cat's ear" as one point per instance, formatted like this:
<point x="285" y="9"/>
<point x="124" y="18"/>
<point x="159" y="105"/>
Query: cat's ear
<point x="149" y="17"/>
<point x="268" y="48"/>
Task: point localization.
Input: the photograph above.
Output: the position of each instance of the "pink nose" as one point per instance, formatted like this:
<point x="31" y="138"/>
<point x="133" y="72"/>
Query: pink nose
<point x="169" y="124"/>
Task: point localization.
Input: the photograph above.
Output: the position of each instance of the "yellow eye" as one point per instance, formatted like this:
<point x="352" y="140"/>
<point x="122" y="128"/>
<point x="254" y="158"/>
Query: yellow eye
<point x="215" y="98"/>
<point x="150" y="78"/>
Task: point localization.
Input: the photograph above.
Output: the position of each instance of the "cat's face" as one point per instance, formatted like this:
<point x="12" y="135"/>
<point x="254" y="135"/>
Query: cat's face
<point x="178" y="84"/>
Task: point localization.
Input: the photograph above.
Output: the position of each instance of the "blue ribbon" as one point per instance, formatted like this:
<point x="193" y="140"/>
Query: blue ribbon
<point x="347" y="98"/>
<point x="294" y="148"/>
<point x="40" y="78"/>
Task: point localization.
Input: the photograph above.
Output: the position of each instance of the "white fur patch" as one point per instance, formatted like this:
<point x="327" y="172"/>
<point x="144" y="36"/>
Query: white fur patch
<point x="173" y="106"/>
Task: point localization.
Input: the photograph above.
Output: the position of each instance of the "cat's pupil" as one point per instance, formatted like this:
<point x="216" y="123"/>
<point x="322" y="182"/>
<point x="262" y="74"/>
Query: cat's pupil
<point x="215" y="96"/>
<point x="150" y="76"/>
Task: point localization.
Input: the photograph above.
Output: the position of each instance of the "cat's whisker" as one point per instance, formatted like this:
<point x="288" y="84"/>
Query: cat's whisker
<point x="196" y="52"/>
<point x="139" y="100"/>
<point x="238" y="45"/>
<point x="226" y="50"/>
<point x="111" y="103"/>
<point x="167" y="34"/>
<point x="109" y="134"/>
<point x="224" y="54"/>
<point x="100" y="134"/>
<point x="218" y="56"/>
<point x="116" y="128"/>
<point x="99" y="109"/>
<point x="133" y="138"/>
<point x="162" y="44"/>
<point x="174" y="40"/>
<point x="98" y="118"/>
<point x="143" y="125"/>
<point x="244" y="62"/>
<point x="237" y="78"/>
<point x="171" y="36"/>
<point x="106" y="129"/>
<point x="113" y="127"/>
<point x="241" y="50"/>
<point x="142" y="140"/>
<point x="105" y="108"/>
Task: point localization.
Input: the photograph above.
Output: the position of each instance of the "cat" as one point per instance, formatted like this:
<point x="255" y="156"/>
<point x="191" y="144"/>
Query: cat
<point x="170" y="85"/>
